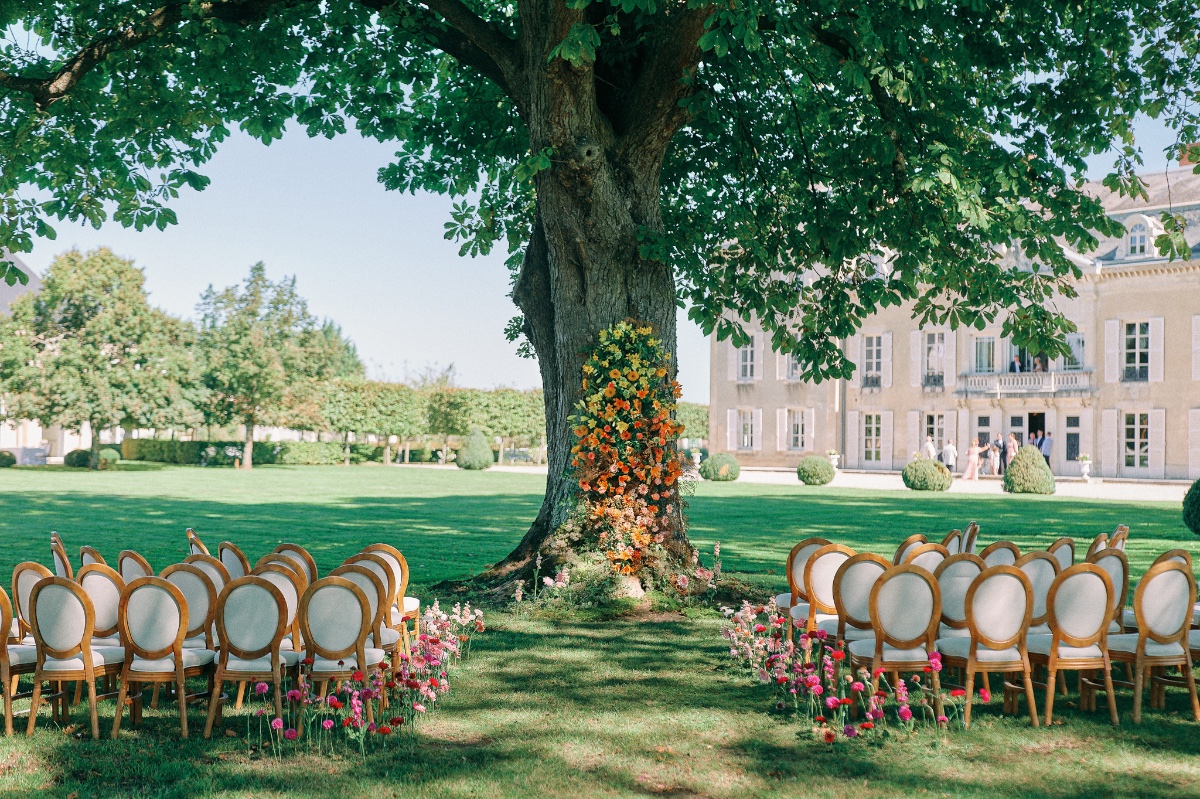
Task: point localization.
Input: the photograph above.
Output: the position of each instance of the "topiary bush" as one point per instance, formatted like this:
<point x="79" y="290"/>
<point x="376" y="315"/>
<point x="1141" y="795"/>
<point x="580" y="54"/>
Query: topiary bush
<point x="77" y="459"/>
<point x="476" y="454"/>
<point x="926" y="474"/>
<point x="720" y="467"/>
<point x="1191" y="508"/>
<point x="7" y="459"/>
<point x="108" y="456"/>
<point x="1027" y="473"/>
<point x="815" y="470"/>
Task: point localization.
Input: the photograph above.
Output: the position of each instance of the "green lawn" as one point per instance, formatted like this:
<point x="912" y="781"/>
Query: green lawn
<point x="643" y="706"/>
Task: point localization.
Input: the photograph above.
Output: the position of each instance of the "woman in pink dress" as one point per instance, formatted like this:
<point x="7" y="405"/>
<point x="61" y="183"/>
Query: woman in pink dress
<point x="971" y="472"/>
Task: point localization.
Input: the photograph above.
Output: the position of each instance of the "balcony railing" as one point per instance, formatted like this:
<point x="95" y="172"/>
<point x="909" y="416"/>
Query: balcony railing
<point x="1136" y="374"/>
<point x="1026" y="383"/>
<point x="934" y="381"/>
<point x="871" y="381"/>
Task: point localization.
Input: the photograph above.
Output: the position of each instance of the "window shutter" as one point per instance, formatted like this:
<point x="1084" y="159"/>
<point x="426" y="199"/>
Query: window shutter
<point x="914" y="358"/>
<point x="1109" y="430"/>
<point x="731" y="354"/>
<point x="885" y="360"/>
<point x="731" y="430"/>
<point x="1194" y="444"/>
<point x="854" y="351"/>
<point x="760" y="349"/>
<point x="914" y="434"/>
<point x="810" y="429"/>
<point x="781" y="359"/>
<point x="950" y="358"/>
<point x="1156" y="349"/>
<point x="1112" y="351"/>
<point x="1158" y="443"/>
<point x="756" y="421"/>
<point x="962" y="439"/>
<point x="1196" y="347"/>
<point x="854" y="435"/>
<point x="781" y="431"/>
<point x="885" y="443"/>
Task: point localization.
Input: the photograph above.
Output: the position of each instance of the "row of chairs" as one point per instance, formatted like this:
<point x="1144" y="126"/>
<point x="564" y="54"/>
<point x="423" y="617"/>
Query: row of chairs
<point x="840" y="592"/>
<point x="197" y="618"/>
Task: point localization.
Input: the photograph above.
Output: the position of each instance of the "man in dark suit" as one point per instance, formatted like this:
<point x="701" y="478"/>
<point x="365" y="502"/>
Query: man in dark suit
<point x="1015" y="366"/>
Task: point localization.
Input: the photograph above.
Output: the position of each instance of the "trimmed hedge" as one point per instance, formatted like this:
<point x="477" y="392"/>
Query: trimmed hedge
<point x="815" y="470"/>
<point x="720" y="467"/>
<point x="223" y="453"/>
<point x="476" y="454"/>
<point x="108" y="456"/>
<point x="1191" y="508"/>
<point x="926" y="474"/>
<point x="7" y="459"/>
<point x="77" y="459"/>
<point x="1027" y="473"/>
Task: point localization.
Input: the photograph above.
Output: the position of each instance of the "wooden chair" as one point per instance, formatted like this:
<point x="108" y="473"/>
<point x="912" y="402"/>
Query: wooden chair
<point x="819" y="574"/>
<point x="214" y="568"/>
<point x="406" y="608"/>
<point x="301" y="556"/>
<point x="131" y="565"/>
<point x="195" y="545"/>
<point x="927" y="556"/>
<point x="970" y="538"/>
<point x="1114" y="562"/>
<point x="286" y="562"/>
<point x="200" y="595"/>
<point x="1119" y="537"/>
<point x="104" y="587"/>
<point x="1041" y="568"/>
<point x="905" y="607"/>
<point x="381" y="636"/>
<point x="999" y="604"/>
<point x="954" y="576"/>
<point x="913" y="541"/>
<point x="335" y="620"/>
<point x="1063" y="551"/>
<point x="251" y="621"/>
<point x="234" y="560"/>
<point x="852" y="597"/>
<point x="153" y="623"/>
<point x="796" y="561"/>
<point x="88" y="555"/>
<point x="25" y="576"/>
<point x="1163" y="603"/>
<point x="1098" y="543"/>
<point x="953" y="542"/>
<point x="1079" y="607"/>
<point x="63" y="620"/>
<point x="380" y="568"/>
<point x="1129" y="618"/>
<point x="1000" y="553"/>
<point x="15" y="660"/>
<point x="291" y="586"/>
<point x="58" y="553"/>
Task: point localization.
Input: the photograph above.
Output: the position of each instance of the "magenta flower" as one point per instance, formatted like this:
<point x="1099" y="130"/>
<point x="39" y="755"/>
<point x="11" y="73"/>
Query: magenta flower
<point x="261" y="688"/>
<point x="327" y="724"/>
<point x="831" y="702"/>
<point x="294" y="695"/>
<point x="905" y="713"/>
<point x="942" y="719"/>
<point x="277" y="723"/>
<point x="849" y="731"/>
<point x="290" y="734"/>
<point x="857" y="686"/>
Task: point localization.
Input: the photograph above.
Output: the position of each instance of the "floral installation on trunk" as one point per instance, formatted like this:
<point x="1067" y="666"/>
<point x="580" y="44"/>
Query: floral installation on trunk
<point x="813" y="681"/>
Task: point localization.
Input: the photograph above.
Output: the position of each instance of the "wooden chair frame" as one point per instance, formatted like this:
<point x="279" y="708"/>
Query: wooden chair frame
<point x="956" y="537"/>
<point x="916" y="539"/>
<point x="22" y="609"/>
<point x="1054" y="663"/>
<point x="142" y="563"/>
<point x="956" y="624"/>
<point x="293" y="627"/>
<point x="87" y="674"/>
<point x="401" y="589"/>
<point x="58" y="554"/>
<point x="995" y="546"/>
<point x="970" y="536"/>
<point x="1029" y="557"/>
<point x="815" y="605"/>
<point x="86" y="552"/>
<point x="844" y="617"/>
<point x="971" y="665"/>
<point x="131" y="681"/>
<point x="390" y="577"/>
<point x="357" y="649"/>
<point x="117" y="580"/>
<point x="1058" y="544"/>
<point x="305" y="558"/>
<point x="1145" y="665"/>
<point x="199" y="625"/>
<point x="224" y="674"/>
<point x="195" y="545"/>
<point x="238" y="555"/>
<point x="1098" y="544"/>
<point x="286" y="562"/>
<point x="1120" y="592"/>
<point x="381" y="608"/>
<point x="797" y="587"/>
<point x="1119" y="538"/>
<point x="10" y="674"/>
<point x="923" y="548"/>
<point x="214" y="563"/>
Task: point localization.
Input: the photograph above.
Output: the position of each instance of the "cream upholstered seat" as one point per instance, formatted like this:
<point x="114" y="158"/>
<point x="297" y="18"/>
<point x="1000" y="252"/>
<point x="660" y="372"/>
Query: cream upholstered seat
<point x="819" y="574"/>
<point x="100" y="656"/>
<point x="103" y="586"/>
<point x="852" y="597"/>
<point x="1079" y="610"/>
<point x="1128" y="642"/>
<point x="954" y="576"/>
<point x="1000" y="553"/>
<point x="200" y="599"/>
<point x="927" y="556"/>
<point x="796" y="561"/>
<point x="131" y="566"/>
<point x="865" y="649"/>
<point x="1063" y="550"/>
<point x="335" y="619"/>
<point x="233" y="559"/>
<point x="998" y="607"/>
<point x="371" y="656"/>
<point x="1113" y="561"/>
<point x="191" y="658"/>
<point x="288" y="658"/>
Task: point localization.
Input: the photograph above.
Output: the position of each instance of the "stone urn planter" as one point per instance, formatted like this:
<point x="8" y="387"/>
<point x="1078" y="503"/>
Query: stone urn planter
<point x="833" y="459"/>
<point x="1085" y="470"/>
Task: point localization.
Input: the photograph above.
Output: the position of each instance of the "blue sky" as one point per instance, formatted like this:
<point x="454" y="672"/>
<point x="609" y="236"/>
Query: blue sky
<point x="372" y="260"/>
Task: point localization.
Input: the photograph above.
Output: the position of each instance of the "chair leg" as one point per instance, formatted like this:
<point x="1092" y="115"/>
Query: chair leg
<point x="121" y="693"/>
<point x="1029" y="698"/>
<point x="241" y="692"/>
<point x="937" y="694"/>
<point x="78" y="694"/>
<point x="154" y="697"/>
<point x="1050" y="678"/>
<point x="33" y="703"/>
<point x="1112" y="698"/>
<point x="8" y="698"/>
<point x="970" y="686"/>
<point x="1139" y="679"/>
<point x="278" y="698"/>
<point x="135" y="710"/>
<point x="91" y="690"/>
<point x="214" y="704"/>
<point x="1062" y="683"/>
<point x="181" y="691"/>
<point x="1190" y="678"/>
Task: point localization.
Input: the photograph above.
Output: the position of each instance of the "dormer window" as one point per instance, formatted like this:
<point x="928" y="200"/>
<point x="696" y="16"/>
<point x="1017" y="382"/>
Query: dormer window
<point x="1137" y="240"/>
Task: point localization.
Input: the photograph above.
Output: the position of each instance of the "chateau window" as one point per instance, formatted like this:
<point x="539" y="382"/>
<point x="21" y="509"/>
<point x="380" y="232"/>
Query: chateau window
<point x="746" y="365"/>
<point x="872" y="437"/>
<point x="1137" y="240"/>
<point x="1137" y="352"/>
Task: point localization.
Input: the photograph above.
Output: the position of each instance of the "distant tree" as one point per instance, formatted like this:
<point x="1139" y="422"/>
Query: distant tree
<point x="89" y="348"/>
<point x="400" y="410"/>
<point x="694" y="419"/>
<point x="336" y="354"/>
<point x="448" y="413"/>
<point x="264" y="356"/>
<point x="509" y="414"/>
<point x="349" y="406"/>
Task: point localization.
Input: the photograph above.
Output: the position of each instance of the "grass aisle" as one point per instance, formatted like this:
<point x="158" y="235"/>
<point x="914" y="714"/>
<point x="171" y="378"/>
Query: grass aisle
<point x="636" y="707"/>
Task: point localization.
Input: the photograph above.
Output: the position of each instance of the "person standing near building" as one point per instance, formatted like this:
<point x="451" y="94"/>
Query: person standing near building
<point x="1045" y="446"/>
<point x="971" y="472"/>
<point x="994" y="458"/>
<point x="1010" y="450"/>
<point x="1035" y="438"/>
<point x="950" y="455"/>
<point x="930" y="450"/>
<point x="1015" y="366"/>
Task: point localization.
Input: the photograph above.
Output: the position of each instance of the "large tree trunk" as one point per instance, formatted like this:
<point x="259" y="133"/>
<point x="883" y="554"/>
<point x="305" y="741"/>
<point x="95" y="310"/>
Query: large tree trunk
<point x="248" y="446"/>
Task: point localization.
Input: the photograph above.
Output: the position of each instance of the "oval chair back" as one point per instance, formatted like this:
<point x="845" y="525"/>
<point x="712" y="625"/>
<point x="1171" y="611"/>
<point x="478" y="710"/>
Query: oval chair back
<point x="1174" y="555"/>
<point x="287" y="563"/>
<point x="953" y="542"/>
<point x="375" y="591"/>
<point x="153" y="621"/>
<point x="906" y="605"/>
<point x="25" y="576"/>
<point x="1079" y="606"/>
<point x="251" y="619"/>
<point x="1113" y="561"/>
<point x="954" y="576"/>
<point x="927" y="556"/>
<point x="290" y="586"/>
<point x="819" y="573"/>
<point x="1119" y="537"/>
<point x="1001" y="553"/>
<point x="301" y="556"/>
<point x="381" y="569"/>
<point x="58" y="553"/>
<point x="62" y="620"/>
<point x="7" y="622"/>
<point x="1099" y="543"/>
<point x="397" y="563"/>
<point x="195" y="545"/>
<point x="88" y="555"/>
<point x="214" y="568"/>
<point x="999" y="606"/>
<point x="131" y="565"/>
<point x="103" y="586"/>
<point x="907" y="545"/>
<point x="335" y="620"/>
<point x="1063" y="551"/>
<point x="1163" y="602"/>
<point x="201" y="597"/>
<point x="233" y="559"/>
<point x="796" y="561"/>
<point x="970" y="538"/>
<point x="852" y="590"/>
<point x="1041" y="568"/>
